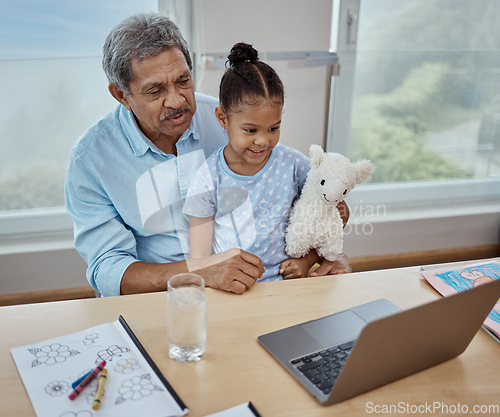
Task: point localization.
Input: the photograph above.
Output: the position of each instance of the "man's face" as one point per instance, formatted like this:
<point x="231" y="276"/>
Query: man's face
<point x="162" y="95"/>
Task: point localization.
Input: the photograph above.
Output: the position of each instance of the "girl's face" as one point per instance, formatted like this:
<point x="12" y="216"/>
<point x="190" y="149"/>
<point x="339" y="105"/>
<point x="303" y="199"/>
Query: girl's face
<point x="253" y="130"/>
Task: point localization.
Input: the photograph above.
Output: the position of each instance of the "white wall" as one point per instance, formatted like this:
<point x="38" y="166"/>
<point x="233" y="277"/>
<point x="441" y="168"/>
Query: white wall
<point x="41" y="270"/>
<point x="276" y="26"/>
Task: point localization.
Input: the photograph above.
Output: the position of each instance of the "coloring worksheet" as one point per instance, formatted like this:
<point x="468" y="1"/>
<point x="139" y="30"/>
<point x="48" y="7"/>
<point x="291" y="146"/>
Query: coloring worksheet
<point x="450" y="280"/>
<point x="132" y="387"/>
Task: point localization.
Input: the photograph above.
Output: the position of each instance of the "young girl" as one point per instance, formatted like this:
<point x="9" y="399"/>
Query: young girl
<point x="241" y="196"/>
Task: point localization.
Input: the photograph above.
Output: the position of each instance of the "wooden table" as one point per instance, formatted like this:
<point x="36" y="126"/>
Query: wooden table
<point x="236" y="369"/>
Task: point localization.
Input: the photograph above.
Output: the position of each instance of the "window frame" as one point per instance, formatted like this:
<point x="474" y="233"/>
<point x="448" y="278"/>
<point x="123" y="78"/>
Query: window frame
<point x="395" y="196"/>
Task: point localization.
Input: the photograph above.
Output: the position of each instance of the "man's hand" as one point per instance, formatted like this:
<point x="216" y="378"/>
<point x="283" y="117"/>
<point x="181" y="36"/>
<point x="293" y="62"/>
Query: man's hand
<point x="340" y="266"/>
<point x="234" y="270"/>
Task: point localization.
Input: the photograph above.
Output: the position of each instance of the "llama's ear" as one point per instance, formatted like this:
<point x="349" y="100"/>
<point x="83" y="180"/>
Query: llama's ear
<point x="364" y="170"/>
<point x="317" y="155"/>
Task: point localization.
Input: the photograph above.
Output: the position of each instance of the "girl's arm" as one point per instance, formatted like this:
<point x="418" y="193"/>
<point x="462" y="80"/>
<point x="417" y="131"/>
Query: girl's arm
<point x="201" y="231"/>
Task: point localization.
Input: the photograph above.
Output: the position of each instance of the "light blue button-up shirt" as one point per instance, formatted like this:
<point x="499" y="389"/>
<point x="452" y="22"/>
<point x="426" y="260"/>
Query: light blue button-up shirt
<point x="126" y="196"/>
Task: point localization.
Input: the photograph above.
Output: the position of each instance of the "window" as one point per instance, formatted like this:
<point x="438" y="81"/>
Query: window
<point x="417" y="94"/>
<point x="423" y="78"/>
<point x="53" y="88"/>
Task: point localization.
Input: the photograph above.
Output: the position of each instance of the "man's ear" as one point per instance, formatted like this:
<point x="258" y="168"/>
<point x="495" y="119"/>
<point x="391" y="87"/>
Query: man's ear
<point x="119" y="95"/>
<point x="221" y="117"/>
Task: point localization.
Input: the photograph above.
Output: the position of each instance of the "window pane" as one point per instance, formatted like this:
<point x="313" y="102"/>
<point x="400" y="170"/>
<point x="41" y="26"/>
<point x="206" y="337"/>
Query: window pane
<point x="53" y="88"/>
<point x="427" y="89"/>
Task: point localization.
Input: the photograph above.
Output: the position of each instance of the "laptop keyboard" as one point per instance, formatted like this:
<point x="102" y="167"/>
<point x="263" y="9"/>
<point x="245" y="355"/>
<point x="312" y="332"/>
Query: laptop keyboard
<point x="322" y="368"/>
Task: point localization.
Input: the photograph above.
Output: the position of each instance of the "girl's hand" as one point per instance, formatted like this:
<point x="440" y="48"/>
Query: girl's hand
<point x="295" y="268"/>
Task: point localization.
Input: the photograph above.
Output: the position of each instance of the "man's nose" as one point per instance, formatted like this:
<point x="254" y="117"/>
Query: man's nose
<point x="174" y="99"/>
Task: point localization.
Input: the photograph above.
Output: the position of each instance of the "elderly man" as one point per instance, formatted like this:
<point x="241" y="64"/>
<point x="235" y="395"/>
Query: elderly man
<point x="128" y="174"/>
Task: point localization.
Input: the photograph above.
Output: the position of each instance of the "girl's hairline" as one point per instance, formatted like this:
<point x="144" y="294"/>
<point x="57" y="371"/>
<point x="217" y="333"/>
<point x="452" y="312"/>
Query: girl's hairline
<point x="258" y="101"/>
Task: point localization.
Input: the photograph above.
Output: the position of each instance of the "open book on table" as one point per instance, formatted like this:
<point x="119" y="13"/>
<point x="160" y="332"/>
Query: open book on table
<point x="134" y="386"/>
<point x="450" y="280"/>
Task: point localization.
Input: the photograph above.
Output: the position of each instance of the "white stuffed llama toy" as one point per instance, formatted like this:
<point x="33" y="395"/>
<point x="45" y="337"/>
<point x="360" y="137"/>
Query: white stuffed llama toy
<point x="315" y="221"/>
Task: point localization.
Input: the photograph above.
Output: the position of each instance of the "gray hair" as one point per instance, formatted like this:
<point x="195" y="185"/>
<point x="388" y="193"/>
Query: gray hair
<point x="139" y="36"/>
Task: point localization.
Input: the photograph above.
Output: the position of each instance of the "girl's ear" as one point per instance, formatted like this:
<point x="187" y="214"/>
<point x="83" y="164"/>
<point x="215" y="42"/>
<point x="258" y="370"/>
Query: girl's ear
<point x="221" y="117"/>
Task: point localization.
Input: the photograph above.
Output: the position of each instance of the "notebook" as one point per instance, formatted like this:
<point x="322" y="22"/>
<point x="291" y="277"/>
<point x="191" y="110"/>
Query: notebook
<point x="377" y="343"/>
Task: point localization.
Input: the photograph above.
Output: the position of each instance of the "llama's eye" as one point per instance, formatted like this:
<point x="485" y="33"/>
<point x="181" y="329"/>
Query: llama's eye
<point x="345" y="192"/>
<point x="322" y="182"/>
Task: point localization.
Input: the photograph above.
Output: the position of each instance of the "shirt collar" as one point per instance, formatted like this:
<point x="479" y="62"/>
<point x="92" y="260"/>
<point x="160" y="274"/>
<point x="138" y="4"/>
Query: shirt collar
<point x="138" y="141"/>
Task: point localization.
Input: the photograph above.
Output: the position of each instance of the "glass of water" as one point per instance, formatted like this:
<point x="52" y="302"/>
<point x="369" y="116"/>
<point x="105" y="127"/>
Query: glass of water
<point x="186" y="317"/>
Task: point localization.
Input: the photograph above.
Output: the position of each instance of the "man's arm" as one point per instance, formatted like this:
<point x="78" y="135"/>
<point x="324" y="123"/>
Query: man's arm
<point x="101" y="237"/>
<point x="234" y="270"/>
<point x="142" y="277"/>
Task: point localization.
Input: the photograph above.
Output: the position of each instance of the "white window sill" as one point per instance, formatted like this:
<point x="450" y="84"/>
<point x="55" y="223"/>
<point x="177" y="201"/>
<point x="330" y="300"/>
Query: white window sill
<point x="35" y="231"/>
<point x="444" y="221"/>
<point x="388" y="214"/>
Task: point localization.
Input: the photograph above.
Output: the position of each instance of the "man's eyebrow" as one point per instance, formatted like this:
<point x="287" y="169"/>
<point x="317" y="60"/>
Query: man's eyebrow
<point x="186" y="74"/>
<point x="150" y="86"/>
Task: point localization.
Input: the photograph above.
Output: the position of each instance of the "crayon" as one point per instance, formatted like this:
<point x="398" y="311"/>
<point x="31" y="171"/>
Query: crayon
<point x="77" y="382"/>
<point x="79" y="388"/>
<point x="100" y="389"/>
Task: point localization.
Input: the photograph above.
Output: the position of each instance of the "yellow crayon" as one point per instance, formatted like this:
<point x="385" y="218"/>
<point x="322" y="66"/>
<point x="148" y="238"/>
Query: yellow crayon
<point x="100" y="389"/>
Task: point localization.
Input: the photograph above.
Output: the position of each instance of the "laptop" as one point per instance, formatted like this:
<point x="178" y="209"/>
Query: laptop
<point x="356" y="350"/>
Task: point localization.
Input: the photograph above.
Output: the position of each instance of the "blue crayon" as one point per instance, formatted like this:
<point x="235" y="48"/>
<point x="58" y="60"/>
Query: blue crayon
<point x="77" y="382"/>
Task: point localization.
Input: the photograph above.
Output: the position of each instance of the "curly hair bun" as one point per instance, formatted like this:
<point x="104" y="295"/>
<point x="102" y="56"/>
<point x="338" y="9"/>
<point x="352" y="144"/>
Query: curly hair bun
<point x="242" y="52"/>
